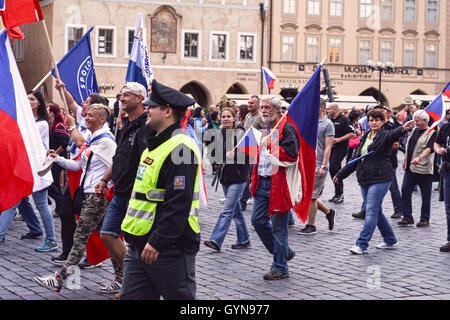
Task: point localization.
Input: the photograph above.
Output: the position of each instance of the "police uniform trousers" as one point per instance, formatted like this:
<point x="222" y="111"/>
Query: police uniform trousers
<point x="172" y="276"/>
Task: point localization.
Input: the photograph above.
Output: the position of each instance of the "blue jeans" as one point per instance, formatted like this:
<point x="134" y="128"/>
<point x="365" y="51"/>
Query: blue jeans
<point x="273" y="230"/>
<point x="410" y="180"/>
<point x="447" y="201"/>
<point x="373" y="196"/>
<point x="232" y="210"/>
<point x="28" y="215"/>
<point x="114" y="216"/>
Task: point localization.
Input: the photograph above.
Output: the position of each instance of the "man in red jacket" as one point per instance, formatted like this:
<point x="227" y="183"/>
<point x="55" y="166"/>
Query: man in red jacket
<point x="270" y="189"/>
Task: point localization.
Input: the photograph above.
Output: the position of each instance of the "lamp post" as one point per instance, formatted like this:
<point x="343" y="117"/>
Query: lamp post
<point x="263" y="18"/>
<point x="381" y="67"/>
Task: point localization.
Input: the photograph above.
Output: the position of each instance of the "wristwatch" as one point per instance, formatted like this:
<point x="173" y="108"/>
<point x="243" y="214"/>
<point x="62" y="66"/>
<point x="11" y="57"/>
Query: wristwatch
<point x="324" y="167"/>
<point x="71" y="129"/>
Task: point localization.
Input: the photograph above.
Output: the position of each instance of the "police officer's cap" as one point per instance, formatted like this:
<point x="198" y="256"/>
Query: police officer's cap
<point x="165" y="96"/>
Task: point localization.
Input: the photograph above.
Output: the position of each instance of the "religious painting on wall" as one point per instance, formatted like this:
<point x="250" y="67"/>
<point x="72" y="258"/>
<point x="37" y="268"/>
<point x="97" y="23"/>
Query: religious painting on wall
<point x="164" y="31"/>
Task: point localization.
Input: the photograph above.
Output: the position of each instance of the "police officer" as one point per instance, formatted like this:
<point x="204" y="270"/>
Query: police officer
<point x="161" y="225"/>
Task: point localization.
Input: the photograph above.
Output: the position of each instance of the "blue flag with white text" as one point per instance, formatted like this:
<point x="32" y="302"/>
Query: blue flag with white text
<point x="76" y="70"/>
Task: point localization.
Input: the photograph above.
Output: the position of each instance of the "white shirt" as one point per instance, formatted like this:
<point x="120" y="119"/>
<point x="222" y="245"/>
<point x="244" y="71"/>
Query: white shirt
<point x="44" y="131"/>
<point x="265" y="165"/>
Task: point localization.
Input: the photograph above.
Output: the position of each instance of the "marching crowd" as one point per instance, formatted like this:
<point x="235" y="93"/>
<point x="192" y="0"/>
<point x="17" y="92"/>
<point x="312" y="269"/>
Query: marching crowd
<point x="130" y="187"/>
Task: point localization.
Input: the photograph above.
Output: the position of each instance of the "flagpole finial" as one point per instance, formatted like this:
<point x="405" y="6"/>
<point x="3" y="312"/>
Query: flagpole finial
<point x="323" y="60"/>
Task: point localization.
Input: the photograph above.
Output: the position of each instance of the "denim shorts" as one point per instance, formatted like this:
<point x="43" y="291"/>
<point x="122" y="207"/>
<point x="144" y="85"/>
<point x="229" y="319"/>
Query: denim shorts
<point x="114" y="216"/>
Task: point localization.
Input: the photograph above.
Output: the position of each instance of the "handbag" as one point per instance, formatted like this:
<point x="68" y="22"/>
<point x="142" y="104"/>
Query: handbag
<point x="78" y="195"/>
<point x="353" y="142"/>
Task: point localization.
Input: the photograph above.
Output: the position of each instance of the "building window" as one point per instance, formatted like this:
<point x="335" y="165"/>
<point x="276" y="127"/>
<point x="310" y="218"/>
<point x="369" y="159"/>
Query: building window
<point x="312" y="48"/>
<point x="410" y="10"/>
<point x="335" y="50"/>
<point x="288" y="48"/>
<point x="289" y="6"/>
<point x="191" y="45"/>
<point x="409" y="54"/>
<point x="247" y="44"/>
<point x="105" y="42"/>
<point x="130" y="40"/>
<point x="74" y="34"/>
<point x="313" y="7"/>
<point x="336" y="8"/>
<point x="386" y="51"/>
<point x="365" y="8"/>
<point x="219" y="46"/>
<point x="387" y="10"/>
<point x="432" y="11"/>
<point x="431" y="54"/>
<point x="365" y="51"/>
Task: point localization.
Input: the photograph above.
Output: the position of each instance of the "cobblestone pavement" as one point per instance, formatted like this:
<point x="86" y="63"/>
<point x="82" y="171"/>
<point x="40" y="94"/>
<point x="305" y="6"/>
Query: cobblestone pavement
<point x="323" y="268"/>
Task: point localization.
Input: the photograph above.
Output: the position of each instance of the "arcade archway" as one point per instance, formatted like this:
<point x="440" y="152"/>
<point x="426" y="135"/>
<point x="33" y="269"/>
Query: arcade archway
<point x="198" y="93"/>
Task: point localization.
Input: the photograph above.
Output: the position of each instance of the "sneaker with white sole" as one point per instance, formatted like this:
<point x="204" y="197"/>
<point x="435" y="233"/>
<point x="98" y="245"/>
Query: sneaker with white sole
<point x="114" y="287"/>
<point x="53" y="281"/>
<point x="47" y="246"/>
<point x="357" y="250"/>
<point x="385" y="246"/>
<point x="222" y="200"/>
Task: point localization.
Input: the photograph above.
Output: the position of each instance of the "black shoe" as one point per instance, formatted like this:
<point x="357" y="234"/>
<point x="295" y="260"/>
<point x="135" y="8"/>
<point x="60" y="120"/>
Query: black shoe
<point x="86" y="265"/>
<point x="59" y="260"/>
<point x="291" y="255"/>
<point x="212" y="245"/>
<point x="339" y="199"/>
<point x="406" y="222"/>
<point x="423" y="223"/>
<point x="397" y="215"/>
<point x="330" y="218"/>
<point x="445" y="247"/>
<point x="360" y="215"/>
<point x="275" y="275"/>
<point x="307" y="230"/>
<point x="31" y="235"/>
<point x="241" y="246"/>
<point x="332" y="199"/>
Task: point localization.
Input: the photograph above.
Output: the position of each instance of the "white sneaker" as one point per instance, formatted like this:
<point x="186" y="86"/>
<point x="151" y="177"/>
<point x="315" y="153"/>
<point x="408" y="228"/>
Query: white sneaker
<point x="113" y="287"/>
<point x="250" y="201"/>
<point x="385" y="246"/>
<point x="357" y="250"/>
<point x="222" y="200"/>
<point x="52" y="281"/>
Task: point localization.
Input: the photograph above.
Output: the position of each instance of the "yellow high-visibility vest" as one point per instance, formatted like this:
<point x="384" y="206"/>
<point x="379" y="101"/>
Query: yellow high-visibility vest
<point x="146" y="196"/>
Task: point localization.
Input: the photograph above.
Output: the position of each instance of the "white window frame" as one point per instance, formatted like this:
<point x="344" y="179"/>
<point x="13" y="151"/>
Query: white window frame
<point x="415" y="54"/>
<point x="227" y="43"/>
<point x="340" y="49"/>
<point x="255" y="45"/>
<point x="387" y="6"/>
<point x="436" y="53"/>
<point x="309" y="36"/>
<point x="382" y="49"/>
<point x="114" y="42"/>
<point x="436" y="9"/>
<point x="337" y="4"/>
<point x="315" y="5"/>
<point x="291" y="8"/>
<point x="66" y="33"/>
<point x="370" y="51"/>
<point x="294" y="45"/>
<point x="406" y="7"/>
<point x="199" y="46"/>
<point x="365" y="8"/>
<point x="127" y="29"/>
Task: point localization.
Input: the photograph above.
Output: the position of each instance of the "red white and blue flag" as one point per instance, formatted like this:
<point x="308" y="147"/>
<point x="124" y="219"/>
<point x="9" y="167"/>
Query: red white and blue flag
<point x="17" y="12"/>
<point x="21" y="150"/>
<point x="446" y="90"/>
<point x="269" y="78"/>
<point x="249" y="142"/>
<point x="436" y="111"/>
<point x="303" y="113"/>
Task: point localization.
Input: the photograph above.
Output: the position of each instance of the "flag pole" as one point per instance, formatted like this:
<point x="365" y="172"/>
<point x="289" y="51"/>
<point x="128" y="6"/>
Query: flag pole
<point x="61" y="93"/>
<point x="42" y="81"/>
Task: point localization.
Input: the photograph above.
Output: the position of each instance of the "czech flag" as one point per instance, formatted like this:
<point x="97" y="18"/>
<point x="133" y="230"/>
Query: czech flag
<point x="303" y="113"/>
<point x="269" y="78"/>
<point x="21" y="150"/>
<point x="250" y="141"/>
<point x="17" y="12"/>
<point x="446" y="90"/>
<point x="436" y="111"/>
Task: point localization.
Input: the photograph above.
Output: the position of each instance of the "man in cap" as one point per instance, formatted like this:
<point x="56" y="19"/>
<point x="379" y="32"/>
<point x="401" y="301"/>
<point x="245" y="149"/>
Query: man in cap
<point x="161" y="224"/>
<point x="130" y="144"/>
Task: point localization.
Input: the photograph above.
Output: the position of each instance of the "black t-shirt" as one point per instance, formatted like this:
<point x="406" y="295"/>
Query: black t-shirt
<point x="443" y="139"/>
<point x="342" y="126"/>
<point x="413" y="141"/>
<point x="130" y="145"/>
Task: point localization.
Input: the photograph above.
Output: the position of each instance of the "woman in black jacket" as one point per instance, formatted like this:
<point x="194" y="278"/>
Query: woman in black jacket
<point x="233" y="177"/>
<point x="374" y="173"/>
